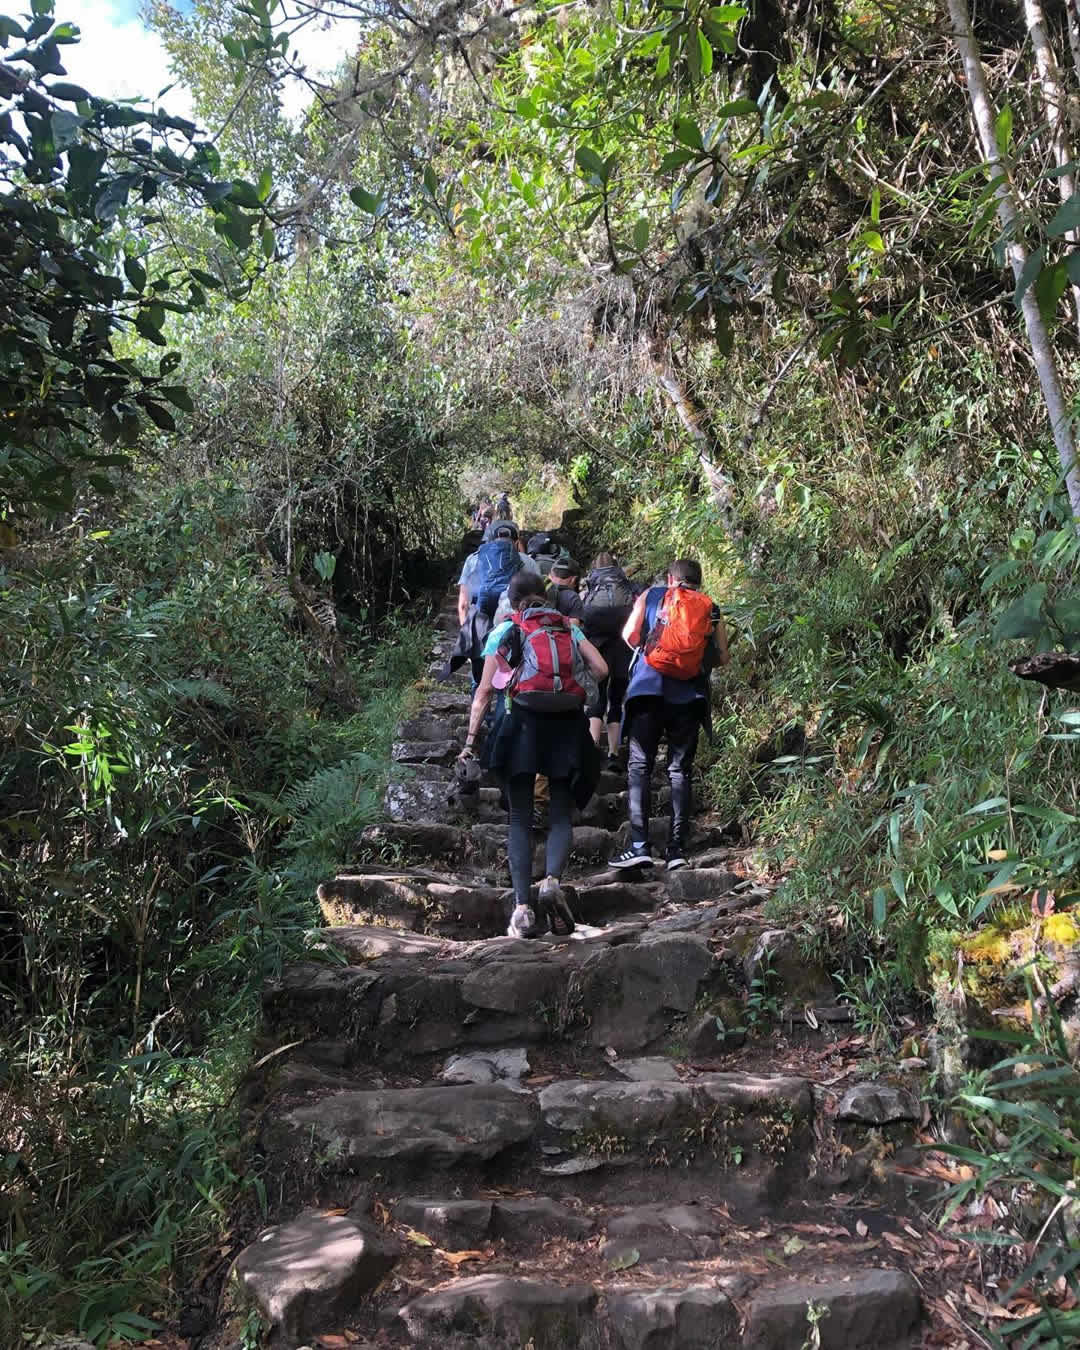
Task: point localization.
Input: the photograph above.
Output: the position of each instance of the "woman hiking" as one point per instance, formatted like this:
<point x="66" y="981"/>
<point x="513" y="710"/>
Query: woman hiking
<point x="546" y="663"/>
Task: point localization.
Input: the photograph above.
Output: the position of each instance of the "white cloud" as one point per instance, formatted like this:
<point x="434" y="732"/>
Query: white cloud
<point x="120" y="57"/>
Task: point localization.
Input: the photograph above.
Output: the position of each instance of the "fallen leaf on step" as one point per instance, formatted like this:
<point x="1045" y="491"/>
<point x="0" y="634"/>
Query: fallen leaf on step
<point x="811" y="1018"/>
<point x="382" y="1214"/>
<point x="418" y="1239"/>
<point x="335" y="1213"/>
<point x="861" y="1228"/>
<point x="458" y="1258"/>
<point x="625" y="1259"/>
<point x="897" y="1243"/>
<point x="825" y="1229"/>
<point x="793" y="1246"/>
<point x="332" y="1341"/>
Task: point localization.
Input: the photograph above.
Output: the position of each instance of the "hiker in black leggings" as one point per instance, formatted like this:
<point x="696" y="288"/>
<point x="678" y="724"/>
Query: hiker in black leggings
<point x="529" y="741"/>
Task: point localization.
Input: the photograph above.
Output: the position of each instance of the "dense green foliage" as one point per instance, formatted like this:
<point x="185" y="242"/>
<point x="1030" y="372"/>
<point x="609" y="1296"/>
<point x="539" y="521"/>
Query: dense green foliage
<point x="729" y="275"/>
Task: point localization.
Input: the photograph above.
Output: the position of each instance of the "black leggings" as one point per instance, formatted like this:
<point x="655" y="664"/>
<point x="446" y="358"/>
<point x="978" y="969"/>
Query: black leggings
<point x="609" y="698"/>
<point x="520" y="791"/>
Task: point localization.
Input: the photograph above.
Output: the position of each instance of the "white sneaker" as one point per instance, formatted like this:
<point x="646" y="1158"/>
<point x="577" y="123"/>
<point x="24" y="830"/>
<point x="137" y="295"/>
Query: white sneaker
<point x="522" y="923"/>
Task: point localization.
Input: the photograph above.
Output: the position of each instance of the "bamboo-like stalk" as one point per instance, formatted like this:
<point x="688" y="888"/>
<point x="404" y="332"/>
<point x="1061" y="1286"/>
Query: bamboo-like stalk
<point x="1042" y="350"/>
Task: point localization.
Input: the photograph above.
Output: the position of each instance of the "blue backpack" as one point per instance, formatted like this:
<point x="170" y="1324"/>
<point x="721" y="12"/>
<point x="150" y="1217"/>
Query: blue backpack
<point x="496" y="563"/>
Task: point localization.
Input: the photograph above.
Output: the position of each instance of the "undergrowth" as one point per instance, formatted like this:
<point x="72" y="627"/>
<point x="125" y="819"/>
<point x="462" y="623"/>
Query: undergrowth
<point x="182" y="767"/>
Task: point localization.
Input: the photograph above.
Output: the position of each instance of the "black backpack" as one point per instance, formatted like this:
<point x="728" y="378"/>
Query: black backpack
<point x="609" y="598"/>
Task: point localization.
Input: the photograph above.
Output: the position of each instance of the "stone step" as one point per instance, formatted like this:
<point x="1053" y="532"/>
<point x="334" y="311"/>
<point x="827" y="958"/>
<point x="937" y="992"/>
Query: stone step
<point x="425" y="752"/>
<point x="428" y="728"/>
<point x="415" y="994"/>
<point x="716" y="1120"/>
<point x="320" y="1270"/>
<point x="434" y="1127"/>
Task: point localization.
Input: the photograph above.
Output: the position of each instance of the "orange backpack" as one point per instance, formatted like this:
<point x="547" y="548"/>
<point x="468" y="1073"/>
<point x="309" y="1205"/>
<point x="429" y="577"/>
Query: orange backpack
<point x="677" y="641"/>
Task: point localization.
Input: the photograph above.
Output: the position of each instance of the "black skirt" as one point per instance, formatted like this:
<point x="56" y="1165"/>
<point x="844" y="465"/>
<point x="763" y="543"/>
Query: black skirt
<point x="558" y="745"/>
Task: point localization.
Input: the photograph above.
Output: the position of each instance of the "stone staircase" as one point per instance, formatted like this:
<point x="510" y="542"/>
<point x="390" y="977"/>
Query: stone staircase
<point x="479" y="1141"/>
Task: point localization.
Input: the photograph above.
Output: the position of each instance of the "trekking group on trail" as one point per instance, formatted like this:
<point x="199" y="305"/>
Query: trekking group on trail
<point x="558" y="677"/>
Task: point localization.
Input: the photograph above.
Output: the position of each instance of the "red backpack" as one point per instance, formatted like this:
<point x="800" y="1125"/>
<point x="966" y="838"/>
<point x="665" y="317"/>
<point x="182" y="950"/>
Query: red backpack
<point x="677" y="641"/>
<point x="550" y="674"/>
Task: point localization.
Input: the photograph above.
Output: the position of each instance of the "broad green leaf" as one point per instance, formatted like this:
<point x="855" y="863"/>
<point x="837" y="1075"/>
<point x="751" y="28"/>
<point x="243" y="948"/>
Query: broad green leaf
<point x="1024" y="617"/>
<point x="431" y="182"/>
<point x="1049" y="288"/>
<point x="675" y="159"/>
<point x="739" y="107"/>
<point x="826" y="100"/>
<point x="70" y="93"/>
<point x="641" y="234"/>
<point x="727" y="13"/>
<point x="265" y="183"/>
<point x="689" y="133"/>
<point x="706" y="54"/>
<point x="135" y="273"/>
<point x="881" y="906"/>
<point x="234" y="47"/>
<point x="590" y="163"/>
<point x="872" y="240"/>
<point x="663" y="61"/>
<point x="1066" y="218"/>
<point x="1030" y="270"/>
<point x="178" y="396"/>
<point x="365" y="200"/>
<point x="1003" y="130"/>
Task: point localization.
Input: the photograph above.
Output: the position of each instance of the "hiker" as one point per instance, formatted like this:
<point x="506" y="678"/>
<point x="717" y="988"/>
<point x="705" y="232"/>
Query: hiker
<point x="483" y="514"/>
<point x="544" y="732"/>
<point x="562" y="592"/>
<point x="678" y="637"/>
<point x="609" y="601"/>
<point x="543" y="550"/>
<point x="502" y="508"/>
<point x="484" y="577"/>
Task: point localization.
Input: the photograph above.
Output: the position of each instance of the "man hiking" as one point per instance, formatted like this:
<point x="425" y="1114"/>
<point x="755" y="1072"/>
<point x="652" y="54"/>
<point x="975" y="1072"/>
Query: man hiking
<point x="484" y="577"/>
<point x="562" y="592"/>
<point x="544" y="732"/>
<point x="609" y="601"/>
<point x="678" y="636"/>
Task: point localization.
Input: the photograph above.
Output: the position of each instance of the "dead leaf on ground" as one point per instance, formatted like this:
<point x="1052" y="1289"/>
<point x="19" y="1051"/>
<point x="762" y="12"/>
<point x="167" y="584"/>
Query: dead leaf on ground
<point x="861" y="1228"/>
<point x="337" y="1340"/>
<point x="418" y="1239"/>
<point x="825" y="1229"/>
<point x="459" y="1258"/>
<point x="335" y="1213"/>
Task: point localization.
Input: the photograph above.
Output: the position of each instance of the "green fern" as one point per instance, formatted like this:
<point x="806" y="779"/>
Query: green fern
<point x="328" y="810"/>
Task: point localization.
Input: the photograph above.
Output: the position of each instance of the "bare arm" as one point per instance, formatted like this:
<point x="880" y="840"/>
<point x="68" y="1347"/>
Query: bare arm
<point x="632" y="628"/>
<point x="593" y="659"/>
<point x="462" y="604"/>
<point x="723" y="656"/>
<point x="480" y="702"/>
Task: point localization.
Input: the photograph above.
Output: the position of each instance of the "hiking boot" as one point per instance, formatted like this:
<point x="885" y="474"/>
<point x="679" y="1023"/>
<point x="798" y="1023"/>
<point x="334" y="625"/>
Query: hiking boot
<point x="675" y="857"/>
<point x="634" y="856"/>
<point x="551" y="903"/>
<point x="523" y="923"/>
<point x="540" y="818"/>
<point x="613" y="764"/>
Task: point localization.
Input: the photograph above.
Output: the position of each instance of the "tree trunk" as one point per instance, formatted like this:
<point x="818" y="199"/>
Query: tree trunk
<point x="1038" y="335"/>
<point x="1054" y="106"/>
